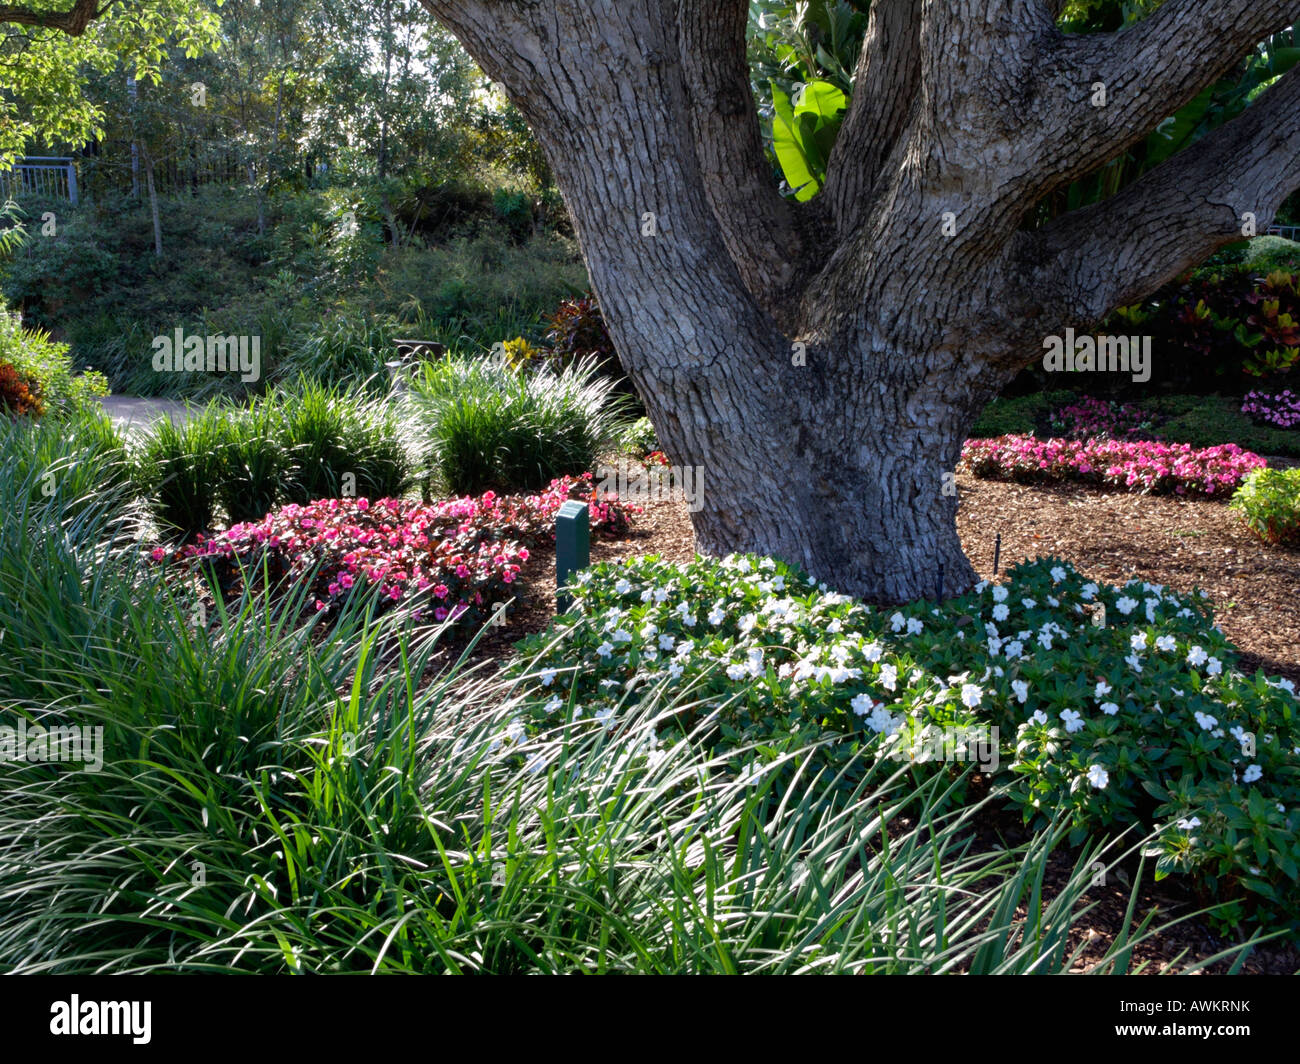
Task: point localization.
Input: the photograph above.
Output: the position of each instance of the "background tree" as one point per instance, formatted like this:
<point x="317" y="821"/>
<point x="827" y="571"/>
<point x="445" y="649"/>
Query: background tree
<point x="823" y="361"/>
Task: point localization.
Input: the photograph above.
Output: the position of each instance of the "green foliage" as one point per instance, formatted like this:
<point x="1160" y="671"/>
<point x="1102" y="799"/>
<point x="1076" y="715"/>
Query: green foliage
<point x="489" y="427"/>
<point x="293" y="445"/>
<point x="46" y="368"/>
<point x="1142" y="719"/>
<point x="330" y="433"/>
<point x="640" y="440"/>
<point x="1269" y="504"/>
<point x="178" y="470"/>
<point x="347" y="349"/>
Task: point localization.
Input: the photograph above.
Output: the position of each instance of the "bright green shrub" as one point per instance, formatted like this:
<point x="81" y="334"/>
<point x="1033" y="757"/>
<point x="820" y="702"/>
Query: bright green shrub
<point x="1268" y="501"/>
<point x="178" y="470"/>
<point x="1139" y="721"/>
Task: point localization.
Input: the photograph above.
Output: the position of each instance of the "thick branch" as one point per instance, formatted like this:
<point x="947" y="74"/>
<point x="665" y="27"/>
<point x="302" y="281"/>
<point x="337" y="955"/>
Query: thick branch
<point x="73" y="22"/>
<point x="760" y="227"/>
<point x="885" y="90"/>
<point x="1149" y="71"/>
<point x="1118" y="251"/>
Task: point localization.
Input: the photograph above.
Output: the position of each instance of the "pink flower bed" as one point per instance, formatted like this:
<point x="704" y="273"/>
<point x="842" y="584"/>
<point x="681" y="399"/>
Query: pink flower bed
<point x="449" y="559"/>
<point x="1149" y="467"/>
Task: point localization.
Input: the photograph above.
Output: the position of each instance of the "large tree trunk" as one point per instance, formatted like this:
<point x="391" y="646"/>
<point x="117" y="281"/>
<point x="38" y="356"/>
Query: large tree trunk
<point x="823" y="363"/>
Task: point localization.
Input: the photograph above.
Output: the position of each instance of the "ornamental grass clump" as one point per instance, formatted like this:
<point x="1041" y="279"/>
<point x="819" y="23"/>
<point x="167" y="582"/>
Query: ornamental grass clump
<point x="1143" y="721"/>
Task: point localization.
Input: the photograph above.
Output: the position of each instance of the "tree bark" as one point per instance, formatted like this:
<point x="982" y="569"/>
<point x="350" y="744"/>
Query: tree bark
<point x="823" y="363"/>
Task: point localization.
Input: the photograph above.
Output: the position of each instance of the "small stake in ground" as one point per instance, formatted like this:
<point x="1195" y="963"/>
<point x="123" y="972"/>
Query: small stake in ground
<point x="997" y="553"/>
<point x="572" y="548"/>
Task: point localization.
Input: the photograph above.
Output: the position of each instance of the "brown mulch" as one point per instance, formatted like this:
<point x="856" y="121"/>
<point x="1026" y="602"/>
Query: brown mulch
<point x="1182" y="543"/>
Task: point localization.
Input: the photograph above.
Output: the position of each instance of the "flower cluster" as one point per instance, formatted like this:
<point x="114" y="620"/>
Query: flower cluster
<point x="1094" y="417"/>
<point x="1148" y="467"/>
<point x="1094" y="721"/>
<point x="1281" y="410"/>
<point x="451" y="559"/>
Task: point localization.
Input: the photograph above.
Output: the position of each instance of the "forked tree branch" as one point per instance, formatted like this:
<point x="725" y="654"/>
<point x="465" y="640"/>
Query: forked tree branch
<point x="1116" y="252"/>
<point x="885" y="90"/>
<point x="1148" y="71"/>
<point x="760" y="227"/>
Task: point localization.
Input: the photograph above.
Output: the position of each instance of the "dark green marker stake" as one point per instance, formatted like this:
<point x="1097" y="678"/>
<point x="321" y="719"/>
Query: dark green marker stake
<point x="572" y="548"/>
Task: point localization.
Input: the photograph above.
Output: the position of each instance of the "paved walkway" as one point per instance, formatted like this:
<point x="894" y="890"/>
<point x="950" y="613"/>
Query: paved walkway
<point x="132" y="412"/>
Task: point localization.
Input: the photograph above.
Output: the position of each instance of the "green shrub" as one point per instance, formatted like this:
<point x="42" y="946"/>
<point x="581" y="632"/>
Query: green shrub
<point x="47" y="367"/>
<point x="1269" y="504"/>
<point x="1141" y="720"/>
<point x="341" y="442"/>
<point x="255" y="462"/>
<point x="491" y="428"/>
<point x="72" y="460"/>
<point x="179" y="469"/>
<point x="640" y="438"/>
<point x="348" y="349"/>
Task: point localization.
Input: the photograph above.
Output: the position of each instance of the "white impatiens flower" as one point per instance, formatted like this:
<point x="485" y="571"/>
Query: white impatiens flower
<point x="1053" y="601"/>
<point x="862" y="704"/>
<point x="1014" y="649"/>
<point x="1021" y="690"/>
<point x="674" y="670"/>
<point x="971" y="695"/>
<point x="1098" y="777"/>
<point x="872" y="651"/>
<point x="914" y="626"/>
<point x="737" y="672"/>
<point x="881" y="720"/>
<point x="1038" y="717"/>
<point x="547" y="677"/>
<point x="1000" y="593"/>
<point x="666" y="642"/>
<point x="1151" y="605"/>
<point x="1072" y="720"/>
<point x="1001" y="612"/>
<point x="1089" y="592"/>
<point x="1103" y="688"/>
<point x="554" y="704"/>
<point x="1134" y="662"/>
<point x="622" y="636"/>
<point x="647" y="594"/>
<point x="747" y="623"/>
<point x="515" y="730"/>
<point x="1109" y="708"/>
<point x="778" y="583"/>
<point x="649" y="630"/>
<point x="1252" y="773"/>
<point x="1189" y="823"/>
<point x="896" y="622"/>
<point x="1165" y="643"/>
<point x="1205" y="720"/>
<point x="1028" y="603"/>
<point x="605" y="649"/>
<point x="1138" y="641"/>
<point x="622" y="587"/>
<point x="1057" y="574"/>
<point x="1196" y="656"/>
<point x="1214" y="667"/>
<point x="1125" y="605"/>
<point x="889" y="677"/>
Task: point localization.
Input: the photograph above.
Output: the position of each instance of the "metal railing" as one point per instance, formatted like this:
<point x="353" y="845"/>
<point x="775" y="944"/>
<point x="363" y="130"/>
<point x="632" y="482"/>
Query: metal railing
<point x="1291" y="232"/>
<point x="41" y="175"/>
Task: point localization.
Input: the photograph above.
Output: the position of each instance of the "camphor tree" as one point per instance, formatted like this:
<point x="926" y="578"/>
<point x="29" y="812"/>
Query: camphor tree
<point x="823" y="361"/>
